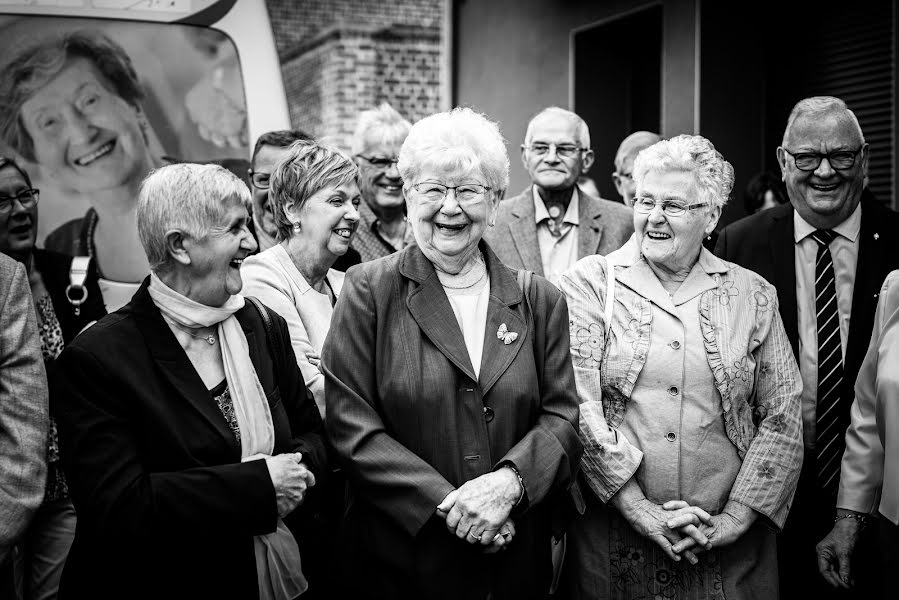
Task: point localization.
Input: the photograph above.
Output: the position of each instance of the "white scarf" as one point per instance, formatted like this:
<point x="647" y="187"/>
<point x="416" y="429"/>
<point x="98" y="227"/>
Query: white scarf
<point x="278" y="569"/>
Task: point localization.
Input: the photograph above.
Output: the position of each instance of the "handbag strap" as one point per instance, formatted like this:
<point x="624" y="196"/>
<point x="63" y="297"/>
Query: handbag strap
<point x="76" y="292"/>
<point x="272" y="333"/>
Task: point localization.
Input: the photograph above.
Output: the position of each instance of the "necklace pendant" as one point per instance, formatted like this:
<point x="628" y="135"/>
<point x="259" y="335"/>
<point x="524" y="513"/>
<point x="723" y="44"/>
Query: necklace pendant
<point x="210" y="339"/>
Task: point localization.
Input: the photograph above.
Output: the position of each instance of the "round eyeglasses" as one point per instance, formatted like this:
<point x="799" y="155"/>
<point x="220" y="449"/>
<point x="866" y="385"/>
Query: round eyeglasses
<point x="467" y="193"/>
<point x="810" y="161"/>
<point x="672" y="209"/>
<point x="27" y="198"/>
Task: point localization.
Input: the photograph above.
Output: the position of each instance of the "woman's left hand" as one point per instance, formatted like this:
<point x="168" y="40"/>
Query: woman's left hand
<point x="476" y="510"/>
<point x="724" y="529"/>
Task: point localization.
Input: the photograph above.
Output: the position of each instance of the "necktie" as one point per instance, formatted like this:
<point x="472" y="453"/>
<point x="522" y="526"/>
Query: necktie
<point x="832" y="417"/>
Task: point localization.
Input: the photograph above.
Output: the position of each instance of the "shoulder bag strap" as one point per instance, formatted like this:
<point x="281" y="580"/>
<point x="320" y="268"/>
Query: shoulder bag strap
<point x="272" y="333"/>
<point x="76" y="293"/>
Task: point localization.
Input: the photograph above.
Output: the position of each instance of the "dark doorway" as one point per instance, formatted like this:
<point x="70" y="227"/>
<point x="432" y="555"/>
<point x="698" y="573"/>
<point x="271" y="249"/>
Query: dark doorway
<point x="617" y="84"/>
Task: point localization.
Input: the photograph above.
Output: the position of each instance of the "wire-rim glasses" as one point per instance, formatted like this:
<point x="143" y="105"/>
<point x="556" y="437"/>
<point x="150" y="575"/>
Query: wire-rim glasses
<point x="839" y="159"/>
<point x="562" y="150"/>
<point x="670" y="208"/>
<point x="466" y="193"/>
<point x="27" y="198"/>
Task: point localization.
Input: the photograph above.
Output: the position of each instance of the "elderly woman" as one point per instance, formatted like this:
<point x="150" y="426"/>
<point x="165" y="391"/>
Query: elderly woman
<point x="451" y="400"/>
<point x="690" y="411"/>
<point x="71" y="103"/>
<point x="314" y="200"/>
<point x="63" y="309"/>
<point x="186" y="429"/>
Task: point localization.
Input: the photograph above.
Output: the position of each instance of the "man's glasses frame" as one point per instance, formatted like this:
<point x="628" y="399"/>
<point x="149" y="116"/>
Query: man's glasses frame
<point x="27" y="198"/>
<point x="380" y="162"/>
<point x="839" y="160"/>
<point x="562" y="150"/>
<point x="259" y="179"/>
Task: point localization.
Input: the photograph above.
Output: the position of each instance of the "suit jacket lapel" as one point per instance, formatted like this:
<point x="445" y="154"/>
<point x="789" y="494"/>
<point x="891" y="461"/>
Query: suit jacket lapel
<point x="589" y="226"/>
<point x="504" y="293"/>
<point x="868" y="282"/>
<point x="431" y="309"/>
<point x="524" y="232"/>
<point x="174" y="364"/>
<point x="782" y="249"/>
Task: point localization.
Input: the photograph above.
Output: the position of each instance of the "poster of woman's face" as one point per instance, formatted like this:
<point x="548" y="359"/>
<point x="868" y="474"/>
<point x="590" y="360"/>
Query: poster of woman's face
<point x="90" y="106"/>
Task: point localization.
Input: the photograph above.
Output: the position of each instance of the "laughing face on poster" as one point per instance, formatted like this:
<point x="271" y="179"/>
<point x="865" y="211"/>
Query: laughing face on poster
<point x="71" y="104"/>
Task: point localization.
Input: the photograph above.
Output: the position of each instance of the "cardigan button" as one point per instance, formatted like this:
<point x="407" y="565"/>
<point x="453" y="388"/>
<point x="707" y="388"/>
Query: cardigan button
<point x="675" y="344"/>
<point x="488" y="414"/>
<point x="671" y="436"/>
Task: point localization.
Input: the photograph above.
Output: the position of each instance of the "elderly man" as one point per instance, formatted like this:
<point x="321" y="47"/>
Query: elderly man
<point x="24" y="416"/>
<point x="376" y="143"/>
<point x="623" y="175"/>
<point x="843" y="245"/>
<point x="550" y="225"/>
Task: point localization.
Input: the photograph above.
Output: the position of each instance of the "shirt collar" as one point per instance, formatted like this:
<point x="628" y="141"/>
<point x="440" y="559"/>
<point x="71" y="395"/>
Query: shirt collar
<point x="849" y="229"/>
<point x="571" y="214"/>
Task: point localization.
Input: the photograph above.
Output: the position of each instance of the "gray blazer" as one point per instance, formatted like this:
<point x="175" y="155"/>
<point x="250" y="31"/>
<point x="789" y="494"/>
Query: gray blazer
<point x="24" y="415"/>
<point x="604" y="227"/>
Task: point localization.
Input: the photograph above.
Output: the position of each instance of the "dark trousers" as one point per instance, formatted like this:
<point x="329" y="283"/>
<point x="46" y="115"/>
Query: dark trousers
<point x="810" y="519"/>
<point x="888" y="542"/>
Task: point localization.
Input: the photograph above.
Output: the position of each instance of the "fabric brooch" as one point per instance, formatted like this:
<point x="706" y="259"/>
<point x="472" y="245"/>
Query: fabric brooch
<point x="505" y="335"/>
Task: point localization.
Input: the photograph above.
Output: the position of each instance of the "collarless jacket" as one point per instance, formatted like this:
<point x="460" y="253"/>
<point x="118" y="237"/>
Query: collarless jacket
<point x="165" y="507"/>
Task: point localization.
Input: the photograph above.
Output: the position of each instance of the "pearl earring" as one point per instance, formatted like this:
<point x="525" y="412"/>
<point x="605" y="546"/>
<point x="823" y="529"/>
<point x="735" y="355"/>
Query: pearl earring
<point x="296" y="226"/>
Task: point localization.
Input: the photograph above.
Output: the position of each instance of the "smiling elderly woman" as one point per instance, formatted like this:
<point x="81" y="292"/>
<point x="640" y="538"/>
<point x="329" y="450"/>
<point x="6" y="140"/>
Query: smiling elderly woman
<point x="451" y="399"/>
<point x="690" y="411"/>
<point x="187" y="433"/>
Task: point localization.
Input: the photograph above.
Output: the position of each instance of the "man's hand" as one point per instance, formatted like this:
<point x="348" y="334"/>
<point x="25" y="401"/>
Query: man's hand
<point x="835" y="552"/>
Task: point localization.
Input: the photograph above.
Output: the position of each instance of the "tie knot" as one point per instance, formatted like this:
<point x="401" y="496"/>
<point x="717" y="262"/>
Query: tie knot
<point x="823" y="236"/>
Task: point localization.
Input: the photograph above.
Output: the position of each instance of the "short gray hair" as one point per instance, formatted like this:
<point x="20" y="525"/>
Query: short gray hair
<point x="460" y="139"/>
<point x="305" y="168"/>
<point x="187" y="197"/>
<point x="583" y="132"/>
<point x="819" y="106"/>
<point x="633" y="144"/>
<point x="693" y="154"/>
<point x="382" y="124"/>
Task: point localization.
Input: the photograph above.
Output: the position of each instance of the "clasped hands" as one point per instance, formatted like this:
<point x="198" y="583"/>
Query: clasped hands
<point x="679" y="529"/>
<point x="478" y="511"/>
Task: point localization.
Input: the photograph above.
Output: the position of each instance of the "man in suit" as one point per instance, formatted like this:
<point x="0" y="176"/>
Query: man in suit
<point x="550" y="225"/>
<point x="827" y="252"/>
<point x="23" y="414"/>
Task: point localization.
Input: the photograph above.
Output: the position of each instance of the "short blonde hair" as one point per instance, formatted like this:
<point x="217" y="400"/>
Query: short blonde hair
<point x="306" y="168"/>
<point x="460" y="139"/>
<point x="692" y="154"/>
<point x="188" y="197"/>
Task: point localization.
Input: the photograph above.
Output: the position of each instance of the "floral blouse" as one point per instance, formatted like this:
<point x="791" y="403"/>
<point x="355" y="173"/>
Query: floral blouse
<point x="747" y="350"/>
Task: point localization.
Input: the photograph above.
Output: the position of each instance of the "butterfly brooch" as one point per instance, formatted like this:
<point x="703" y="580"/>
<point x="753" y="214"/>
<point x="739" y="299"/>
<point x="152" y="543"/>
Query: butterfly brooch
<point x="505" y="335"/>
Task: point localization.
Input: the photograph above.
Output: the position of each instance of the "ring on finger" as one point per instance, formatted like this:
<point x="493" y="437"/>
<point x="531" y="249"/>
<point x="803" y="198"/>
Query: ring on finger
<point x="474" y="537"/>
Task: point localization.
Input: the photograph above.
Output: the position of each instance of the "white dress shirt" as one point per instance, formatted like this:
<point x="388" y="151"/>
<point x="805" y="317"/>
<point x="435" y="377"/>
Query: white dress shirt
<point x="557" y="253"/>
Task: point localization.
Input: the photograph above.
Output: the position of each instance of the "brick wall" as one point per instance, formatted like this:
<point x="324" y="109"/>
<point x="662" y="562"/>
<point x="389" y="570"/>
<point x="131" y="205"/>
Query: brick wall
<point x="339" y="57"/>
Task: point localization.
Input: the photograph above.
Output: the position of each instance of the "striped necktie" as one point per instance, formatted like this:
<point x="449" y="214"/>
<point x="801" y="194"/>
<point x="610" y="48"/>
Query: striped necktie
<point x="832" y="417"/>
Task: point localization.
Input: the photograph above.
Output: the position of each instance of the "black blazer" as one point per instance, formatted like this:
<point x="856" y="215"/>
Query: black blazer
<point x="165" y="507"/>
<point x="764" y="243"/>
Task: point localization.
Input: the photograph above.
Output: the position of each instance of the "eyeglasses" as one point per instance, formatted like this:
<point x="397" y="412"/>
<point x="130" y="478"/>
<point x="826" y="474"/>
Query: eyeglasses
<point x="809" y="161"/>
<point x="467" y="193"/>
<point x="27" y="198"/>
<point x="259" y="179"/>
<point x="379" y="162"/>
<point x="672" y="209"/>
<point x="562" y="150"/>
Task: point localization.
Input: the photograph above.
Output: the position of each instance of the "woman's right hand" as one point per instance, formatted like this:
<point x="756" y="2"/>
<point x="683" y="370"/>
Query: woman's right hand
<point x="291" y="479"/>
